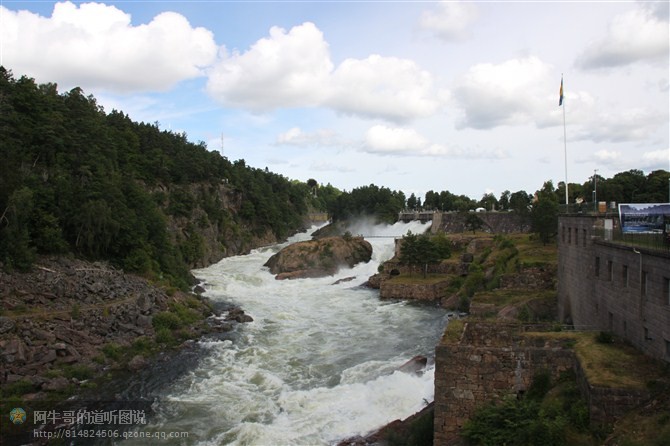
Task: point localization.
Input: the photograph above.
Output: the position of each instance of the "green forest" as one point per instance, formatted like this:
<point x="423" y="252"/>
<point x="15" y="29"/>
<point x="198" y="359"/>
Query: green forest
<point x="77" y="180"/>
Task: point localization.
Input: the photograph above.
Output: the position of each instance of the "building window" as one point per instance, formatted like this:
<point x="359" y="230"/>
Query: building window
<point x="569" y="235"/>
<point x="597" y="271"/>
<point x="584" y="237"/>
<point x="624" y="275"/>
<point x="577" y="236"/>
<point x="625" y="328"/>
<point x="666" y="290"/>
<point x="611" y="321"/>
<point x="646" y="334"/>
<point x="563" y="234"/>
<point x="609" y="270"/>
<point x="643" y="284"/>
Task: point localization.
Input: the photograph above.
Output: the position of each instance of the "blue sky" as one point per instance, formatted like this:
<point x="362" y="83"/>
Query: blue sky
<point x="416" y="96"/>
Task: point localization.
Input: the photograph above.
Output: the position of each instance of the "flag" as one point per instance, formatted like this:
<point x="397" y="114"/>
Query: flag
<point x="560" y="94"/>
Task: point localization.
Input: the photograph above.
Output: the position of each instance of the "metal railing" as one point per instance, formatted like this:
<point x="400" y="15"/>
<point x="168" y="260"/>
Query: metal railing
<point x="658" y="242"/>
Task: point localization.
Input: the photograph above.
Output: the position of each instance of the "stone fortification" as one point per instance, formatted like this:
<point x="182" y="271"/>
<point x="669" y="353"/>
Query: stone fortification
<point x="494" y="360"/>
<point x="495" y="222"/>
<point x="423" y="291"/>
<point x="610" y="286"/>
<point x="490" y="362"/>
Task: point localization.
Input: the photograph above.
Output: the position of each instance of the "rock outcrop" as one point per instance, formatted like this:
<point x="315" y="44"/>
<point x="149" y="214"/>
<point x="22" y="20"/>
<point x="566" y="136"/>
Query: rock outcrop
<point x="68" y="314"/>
<point x="319" y="258"/>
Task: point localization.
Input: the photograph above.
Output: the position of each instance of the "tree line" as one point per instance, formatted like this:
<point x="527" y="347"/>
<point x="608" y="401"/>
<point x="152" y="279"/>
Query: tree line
<point x="77" y="180"/>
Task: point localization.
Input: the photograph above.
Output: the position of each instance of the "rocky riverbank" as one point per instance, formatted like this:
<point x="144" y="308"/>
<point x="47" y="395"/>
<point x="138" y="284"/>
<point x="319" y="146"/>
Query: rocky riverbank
<point x="67" y="322"/>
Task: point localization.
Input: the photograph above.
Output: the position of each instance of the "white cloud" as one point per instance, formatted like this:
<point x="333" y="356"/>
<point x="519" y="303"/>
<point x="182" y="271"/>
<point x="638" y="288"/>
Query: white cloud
<point x="294" y="69"/>
<point x="449" y="20"/>
<point x="284" y="70"/>
<point x="634" y="124"/>
<point x="639" y="35"/>
<point x="384" y="140"/>
<point x="388" y="140"/>
<point x="387" y="87"/>
<point x="95" y="46"/>
<point x="515" y="92"/>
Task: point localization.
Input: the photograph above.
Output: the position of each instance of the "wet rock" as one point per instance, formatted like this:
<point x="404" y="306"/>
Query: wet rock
<point x="415" y="366"/>
<point x="346" y="279"/>
<point x="319" y="258"/>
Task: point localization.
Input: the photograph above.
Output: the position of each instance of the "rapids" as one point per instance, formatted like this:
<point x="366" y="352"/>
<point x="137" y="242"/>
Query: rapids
<point x="318" y="363"/>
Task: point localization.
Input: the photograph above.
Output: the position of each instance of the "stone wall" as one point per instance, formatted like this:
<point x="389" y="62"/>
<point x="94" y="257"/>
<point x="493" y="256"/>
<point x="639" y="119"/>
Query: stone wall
<point x="607" y="404"/>
<point x="491" y="361"/>
<point x="416" y="291"/>
<point x="494" y="222"/>
<point x="609" y="286"/>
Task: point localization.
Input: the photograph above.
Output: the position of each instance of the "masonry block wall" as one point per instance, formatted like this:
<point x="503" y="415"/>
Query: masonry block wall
<point x="492" y="361"/>
<point x="609" y="286"/>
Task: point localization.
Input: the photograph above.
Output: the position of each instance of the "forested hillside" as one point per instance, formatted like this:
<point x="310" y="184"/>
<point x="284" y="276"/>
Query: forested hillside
<point x="77" y="180"/>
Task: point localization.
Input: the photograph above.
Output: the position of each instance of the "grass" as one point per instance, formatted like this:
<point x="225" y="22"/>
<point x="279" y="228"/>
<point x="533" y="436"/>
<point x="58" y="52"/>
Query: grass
<point x="453" y="332"/>
<point x="613" y="365"/>
<point x="504" y="297"/>
<point x="417" y="279"/>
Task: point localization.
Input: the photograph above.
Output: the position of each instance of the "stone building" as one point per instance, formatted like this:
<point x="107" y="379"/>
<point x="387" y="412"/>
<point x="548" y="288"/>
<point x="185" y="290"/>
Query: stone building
<point x="608" y="284"/>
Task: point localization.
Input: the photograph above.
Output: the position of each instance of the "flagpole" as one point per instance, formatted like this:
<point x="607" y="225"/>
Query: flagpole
<point x="565" y="146"/>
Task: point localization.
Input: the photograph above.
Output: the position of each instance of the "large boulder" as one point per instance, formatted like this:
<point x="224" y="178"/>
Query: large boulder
<point x="319" y="258"/>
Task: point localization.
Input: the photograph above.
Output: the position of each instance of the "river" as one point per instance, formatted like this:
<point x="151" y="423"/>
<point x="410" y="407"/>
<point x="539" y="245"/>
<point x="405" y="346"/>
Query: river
<point x="319" y="363"/>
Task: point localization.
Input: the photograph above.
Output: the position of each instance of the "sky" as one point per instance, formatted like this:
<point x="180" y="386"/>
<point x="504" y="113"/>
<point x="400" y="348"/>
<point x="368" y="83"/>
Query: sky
<point x="414" y="96"/>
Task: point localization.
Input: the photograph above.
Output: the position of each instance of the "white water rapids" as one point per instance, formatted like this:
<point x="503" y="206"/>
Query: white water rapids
<point x="319" y="363"/>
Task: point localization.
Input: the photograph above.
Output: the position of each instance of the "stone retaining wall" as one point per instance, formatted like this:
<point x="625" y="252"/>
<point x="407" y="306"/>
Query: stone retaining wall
<point x="493" y="360"/>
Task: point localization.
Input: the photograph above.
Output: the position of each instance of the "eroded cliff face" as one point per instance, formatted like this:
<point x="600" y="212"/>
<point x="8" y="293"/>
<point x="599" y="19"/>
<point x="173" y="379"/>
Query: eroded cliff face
<point x="204" y="221"/>
<point x="319" y="258"/>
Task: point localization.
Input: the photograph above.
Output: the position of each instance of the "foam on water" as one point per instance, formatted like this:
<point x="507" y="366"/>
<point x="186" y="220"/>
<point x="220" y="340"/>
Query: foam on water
<point x="318" y="363"/>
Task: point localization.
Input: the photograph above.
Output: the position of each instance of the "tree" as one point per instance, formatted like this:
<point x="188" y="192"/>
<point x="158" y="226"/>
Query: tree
<point x="313" y="185"/>
<point x="519" y="202"/>
<point x="544" y="215"/>
<point x="411" y="202"/>
<point x="488" y="202"/>
<point x="422" y="250"/>
<point x="503" y="202"/>
<point x="473" y="222"/>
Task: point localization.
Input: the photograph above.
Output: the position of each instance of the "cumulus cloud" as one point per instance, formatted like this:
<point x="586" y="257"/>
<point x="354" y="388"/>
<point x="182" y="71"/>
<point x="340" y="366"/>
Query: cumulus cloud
<point x="639" y="35"/>
<point x="400" y="141"/>
<point x="449" y="20"/>
<point x="93" y="45"/>
<point x="387" y="87"/>
<point x="294" y="69"/>
<point x="634" y="124"/>
<point x="286" y="69"/>
<point x="514" y="92"/>
<point x="389" y="140"/>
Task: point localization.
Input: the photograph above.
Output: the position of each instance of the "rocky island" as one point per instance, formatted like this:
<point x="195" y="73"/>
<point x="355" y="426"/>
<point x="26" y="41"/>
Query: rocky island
<point x="319" y="258"/>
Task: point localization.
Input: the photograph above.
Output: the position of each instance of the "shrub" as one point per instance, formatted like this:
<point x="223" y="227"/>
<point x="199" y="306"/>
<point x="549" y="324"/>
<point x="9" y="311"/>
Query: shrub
<point x="112" y="351"/>
<point x="166" y="320"/>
